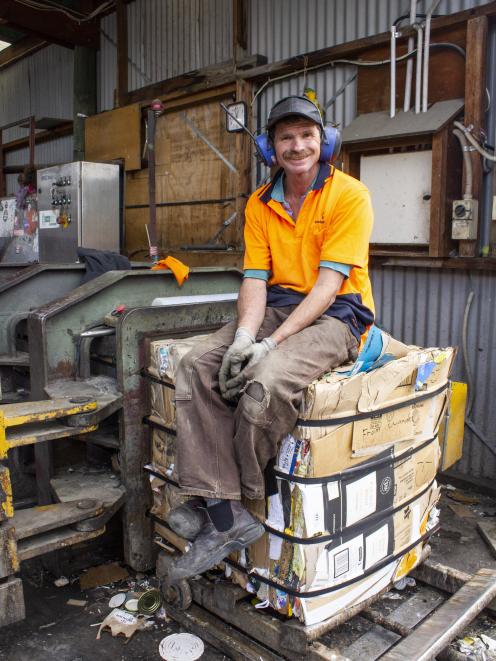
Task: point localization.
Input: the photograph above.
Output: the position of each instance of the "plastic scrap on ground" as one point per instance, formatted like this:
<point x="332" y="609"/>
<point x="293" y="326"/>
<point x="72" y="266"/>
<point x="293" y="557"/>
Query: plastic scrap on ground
<point x="181" y="647"/>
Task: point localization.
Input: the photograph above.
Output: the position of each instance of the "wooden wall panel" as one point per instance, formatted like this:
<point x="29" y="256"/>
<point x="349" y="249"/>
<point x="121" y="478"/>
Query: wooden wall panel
<point x="187" y="170"/>
<point x="114" y="135"/>
<point x="446" y="74"/>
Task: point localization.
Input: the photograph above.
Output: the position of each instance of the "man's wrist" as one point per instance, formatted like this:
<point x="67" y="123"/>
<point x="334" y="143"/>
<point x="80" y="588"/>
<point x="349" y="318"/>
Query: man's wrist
<point x="242" y="331"/>
<point x="270" y="343"/>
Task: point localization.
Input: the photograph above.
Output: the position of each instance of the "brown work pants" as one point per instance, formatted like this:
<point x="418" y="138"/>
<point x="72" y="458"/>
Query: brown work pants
<point x="223" y="449"/>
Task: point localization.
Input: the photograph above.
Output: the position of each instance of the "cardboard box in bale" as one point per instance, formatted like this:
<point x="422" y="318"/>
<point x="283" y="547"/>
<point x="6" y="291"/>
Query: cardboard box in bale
<point x="165" y="356"/>
<point x="310" y="506"/>
<point x="347" y="419"/>
<point x="328" y="569"/>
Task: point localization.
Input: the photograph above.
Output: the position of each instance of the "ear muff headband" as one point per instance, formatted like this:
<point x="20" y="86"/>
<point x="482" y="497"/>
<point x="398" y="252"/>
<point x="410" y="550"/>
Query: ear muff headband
<point x="329" y="150"/>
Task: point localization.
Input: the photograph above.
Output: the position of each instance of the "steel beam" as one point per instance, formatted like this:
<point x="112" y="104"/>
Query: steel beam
<point x="132" y="329"/>
<point x="435" y="634"/>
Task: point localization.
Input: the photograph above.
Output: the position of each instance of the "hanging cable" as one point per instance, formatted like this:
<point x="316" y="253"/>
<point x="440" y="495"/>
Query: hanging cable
<point x="466" y="361"/>
<point x="357" y="63"/>
<point x="73" y="14"/>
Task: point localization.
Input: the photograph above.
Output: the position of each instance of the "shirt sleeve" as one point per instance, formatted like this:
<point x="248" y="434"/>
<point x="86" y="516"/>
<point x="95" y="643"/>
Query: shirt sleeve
<point x="257" y="251"/>
<point x="348" y="234"/>
<point x="257" y="274"/>
<point x="344" y="269"/>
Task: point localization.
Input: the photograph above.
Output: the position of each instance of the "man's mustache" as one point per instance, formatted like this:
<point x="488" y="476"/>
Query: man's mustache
<point x="296" y="155"/>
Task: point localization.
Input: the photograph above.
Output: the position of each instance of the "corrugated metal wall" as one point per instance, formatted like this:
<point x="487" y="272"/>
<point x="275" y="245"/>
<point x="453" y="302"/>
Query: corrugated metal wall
<point x="39" y="85"/>
<point x="280" y="29"/>
<point x="107" y="63"/>
<point x="426" y="307"/>
<point x="165" y="39"/>
<point x="47" y="153"/>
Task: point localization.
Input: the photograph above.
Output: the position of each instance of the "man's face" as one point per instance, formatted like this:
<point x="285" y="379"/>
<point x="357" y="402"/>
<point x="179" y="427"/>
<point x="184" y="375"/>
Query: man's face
<point x="297" y="145"/>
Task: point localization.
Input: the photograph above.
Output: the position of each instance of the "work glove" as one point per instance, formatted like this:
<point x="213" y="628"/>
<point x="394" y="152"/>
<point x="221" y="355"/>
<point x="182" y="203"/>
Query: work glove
<point x="233" y="358"/>
<point x="249" y="357"/>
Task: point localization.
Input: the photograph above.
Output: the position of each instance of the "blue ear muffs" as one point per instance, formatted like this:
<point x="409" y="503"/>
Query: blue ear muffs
<point x="265" y="149"/>
<point x="329" y="151"/>
<point x="331" y="144"/>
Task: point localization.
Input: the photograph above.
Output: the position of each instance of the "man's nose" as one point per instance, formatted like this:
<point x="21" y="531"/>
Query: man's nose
<point x="298" y="144"/>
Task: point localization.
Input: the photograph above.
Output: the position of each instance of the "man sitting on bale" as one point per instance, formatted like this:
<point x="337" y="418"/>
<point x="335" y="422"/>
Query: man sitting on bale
<point x="303" y="308"/>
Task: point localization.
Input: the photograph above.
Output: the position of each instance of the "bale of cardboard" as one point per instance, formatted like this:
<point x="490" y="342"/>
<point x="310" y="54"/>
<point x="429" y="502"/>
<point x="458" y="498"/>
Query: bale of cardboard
<point x="355" y="492"/>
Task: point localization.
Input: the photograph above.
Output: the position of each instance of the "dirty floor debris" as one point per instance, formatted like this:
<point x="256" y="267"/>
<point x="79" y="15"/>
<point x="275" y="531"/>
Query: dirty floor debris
<point x="56" y="631"/>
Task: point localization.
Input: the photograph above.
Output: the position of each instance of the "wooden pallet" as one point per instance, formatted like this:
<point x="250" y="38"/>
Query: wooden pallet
<point x="369" y="631"/>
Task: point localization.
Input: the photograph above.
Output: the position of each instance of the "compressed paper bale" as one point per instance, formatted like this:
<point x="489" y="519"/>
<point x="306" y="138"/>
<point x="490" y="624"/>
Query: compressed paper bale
<point x="165" y="355"/>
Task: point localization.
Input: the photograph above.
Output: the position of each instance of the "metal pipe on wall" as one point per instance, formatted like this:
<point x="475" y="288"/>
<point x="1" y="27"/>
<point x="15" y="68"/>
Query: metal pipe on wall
<point x="418" y="72"/>
<point x="488" y="177"/>
<point x="427" y="40"/>
<point x="409" y="62"/>
<point x="467" y="159"/>
<point x="392" y="69"/>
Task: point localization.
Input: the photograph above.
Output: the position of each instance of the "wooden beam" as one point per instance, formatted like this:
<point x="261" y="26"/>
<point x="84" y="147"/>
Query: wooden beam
<point x="438" y="221"/>
<point x="239" y="29"/>
<point x="122" y="61"/>
<point x="243" y="164"/>
<point x="54" y="26"/>
<point x="192" y="82"/>
<point x="20" y="49"/>
<point x="475" y="100"/>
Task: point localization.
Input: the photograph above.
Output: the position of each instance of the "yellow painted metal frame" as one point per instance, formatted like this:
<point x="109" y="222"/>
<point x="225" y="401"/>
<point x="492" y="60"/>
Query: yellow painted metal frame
<point x="19" y="416"/>
<point x="27" y="413"/>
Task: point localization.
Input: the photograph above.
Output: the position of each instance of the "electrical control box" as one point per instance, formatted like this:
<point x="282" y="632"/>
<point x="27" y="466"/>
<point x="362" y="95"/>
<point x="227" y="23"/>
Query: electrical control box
<point x="400" y="188"/>
<point x="464" y="220"/>
<point x="78" y="206"/>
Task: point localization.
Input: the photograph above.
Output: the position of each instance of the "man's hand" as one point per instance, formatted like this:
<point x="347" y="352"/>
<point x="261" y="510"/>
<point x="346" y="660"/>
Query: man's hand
<point x="251" y="355"/>
<point x="234" y="358"/>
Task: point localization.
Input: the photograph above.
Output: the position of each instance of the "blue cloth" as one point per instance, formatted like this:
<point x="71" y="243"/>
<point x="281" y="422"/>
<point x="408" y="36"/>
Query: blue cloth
<point x="371" y="356"/>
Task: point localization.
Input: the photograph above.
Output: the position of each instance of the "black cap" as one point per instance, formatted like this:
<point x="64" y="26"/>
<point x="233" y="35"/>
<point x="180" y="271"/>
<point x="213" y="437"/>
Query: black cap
<point x="294" y="105"/>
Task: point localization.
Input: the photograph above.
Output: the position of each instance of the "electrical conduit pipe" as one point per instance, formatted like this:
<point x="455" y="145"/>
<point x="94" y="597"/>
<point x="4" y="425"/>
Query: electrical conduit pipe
<point x="418" y="72"/>
<point x="392" y="109"/>
<point x="409" y="62"/>
<point x="427" y="41"/>
<point x="467" y="195"/>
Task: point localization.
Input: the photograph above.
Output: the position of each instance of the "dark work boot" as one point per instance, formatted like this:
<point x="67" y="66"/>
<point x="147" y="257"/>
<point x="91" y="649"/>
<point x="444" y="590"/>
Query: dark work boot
<point x="211" y="546"/>
<point x="188" y="519"/>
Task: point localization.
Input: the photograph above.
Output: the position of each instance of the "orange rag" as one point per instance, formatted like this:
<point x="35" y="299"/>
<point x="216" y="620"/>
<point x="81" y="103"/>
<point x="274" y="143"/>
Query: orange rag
<point x="180" y="270"/>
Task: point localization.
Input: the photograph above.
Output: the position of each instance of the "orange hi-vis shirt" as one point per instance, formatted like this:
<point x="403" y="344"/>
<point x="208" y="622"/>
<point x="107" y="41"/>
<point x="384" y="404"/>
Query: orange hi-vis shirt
<point x="333" y="226"/>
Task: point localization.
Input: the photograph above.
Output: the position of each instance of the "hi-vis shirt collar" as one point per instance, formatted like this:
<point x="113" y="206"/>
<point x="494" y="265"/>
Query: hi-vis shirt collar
<point x="325" y="171"/>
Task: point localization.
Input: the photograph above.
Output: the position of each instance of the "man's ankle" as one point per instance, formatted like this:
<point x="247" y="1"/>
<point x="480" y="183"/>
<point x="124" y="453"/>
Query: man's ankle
<point x="220" y="513"/>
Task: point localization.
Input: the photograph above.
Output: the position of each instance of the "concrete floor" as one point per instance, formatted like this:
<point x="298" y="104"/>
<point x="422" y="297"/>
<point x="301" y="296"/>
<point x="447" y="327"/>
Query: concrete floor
<point x="55" y="631"/>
